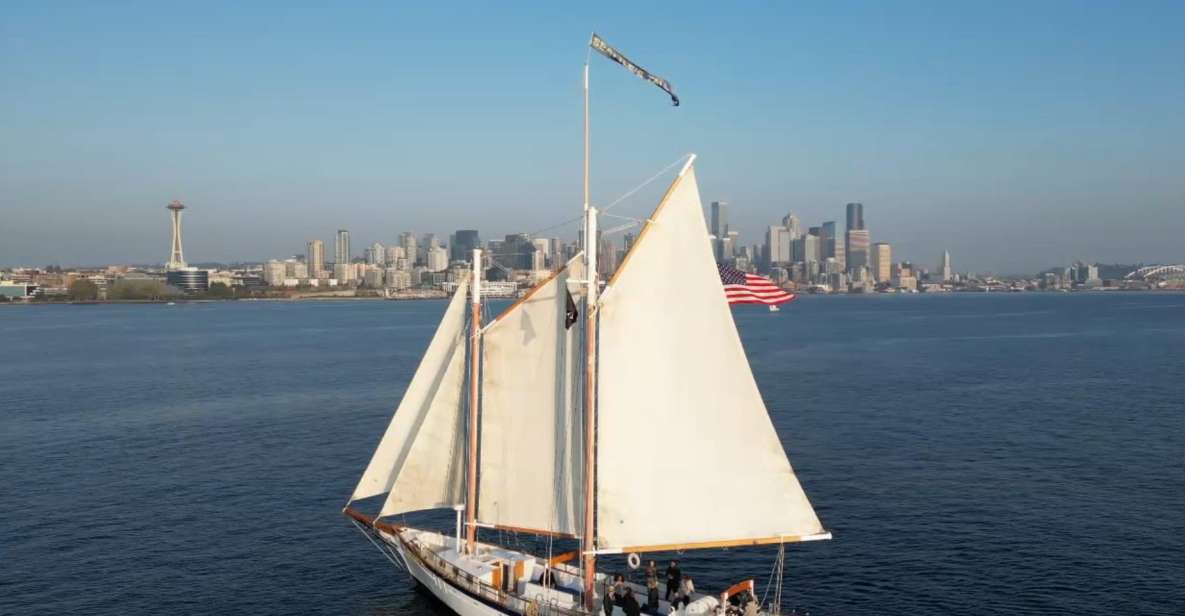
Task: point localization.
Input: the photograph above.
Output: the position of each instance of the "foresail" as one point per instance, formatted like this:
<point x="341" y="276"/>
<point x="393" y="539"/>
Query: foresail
<point x="686" y="452"/>
<point x="419" y="460"/>
<point x="531" y="475"/>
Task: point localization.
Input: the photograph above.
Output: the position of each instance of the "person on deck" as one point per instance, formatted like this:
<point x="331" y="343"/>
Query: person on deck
<point x="607" y="599"/>
<point x="686" y="589"/>
<point x="652" y="586"/>
<point x="629" y="604"/>
<point x="674" y="577"/>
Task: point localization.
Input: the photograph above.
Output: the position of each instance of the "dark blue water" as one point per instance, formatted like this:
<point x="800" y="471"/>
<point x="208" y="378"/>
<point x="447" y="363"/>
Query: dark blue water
<point x="985" y="454"/>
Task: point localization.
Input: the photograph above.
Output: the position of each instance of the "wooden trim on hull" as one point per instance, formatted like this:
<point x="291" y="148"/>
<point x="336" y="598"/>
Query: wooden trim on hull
<point x="370" y="522"/>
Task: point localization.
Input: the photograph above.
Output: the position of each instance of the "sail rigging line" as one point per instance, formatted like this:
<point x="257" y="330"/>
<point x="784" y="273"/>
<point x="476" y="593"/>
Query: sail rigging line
<point x="386" y="551"/>
<point x="650" y="221"/>
<point x="646" y="183"/>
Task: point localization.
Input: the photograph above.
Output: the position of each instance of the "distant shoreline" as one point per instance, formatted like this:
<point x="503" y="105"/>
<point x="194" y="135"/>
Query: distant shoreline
<point x="339" y="298"/>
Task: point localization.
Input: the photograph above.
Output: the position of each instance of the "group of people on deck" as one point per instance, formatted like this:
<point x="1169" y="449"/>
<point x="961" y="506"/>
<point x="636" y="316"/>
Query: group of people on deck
<point x="680" y="587"/>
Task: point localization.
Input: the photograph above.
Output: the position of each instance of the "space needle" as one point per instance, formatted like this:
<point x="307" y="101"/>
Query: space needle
<point x="176" y="259"/>
<point x="177" y="272"/>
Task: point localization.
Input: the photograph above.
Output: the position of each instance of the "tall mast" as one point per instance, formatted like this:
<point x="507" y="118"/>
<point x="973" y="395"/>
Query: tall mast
<point x="474" y="355"/>
<point x="588" y="537"/>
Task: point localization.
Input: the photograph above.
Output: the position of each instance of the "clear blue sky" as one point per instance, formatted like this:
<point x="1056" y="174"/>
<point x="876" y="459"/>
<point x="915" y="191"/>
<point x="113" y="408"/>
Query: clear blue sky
<point x="1016" y="135"/>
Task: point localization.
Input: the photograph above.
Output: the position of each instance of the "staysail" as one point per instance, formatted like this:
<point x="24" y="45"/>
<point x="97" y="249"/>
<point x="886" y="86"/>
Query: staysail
<point x="686" y="453"/>
<point x="531" y="471"/>
<point x="419" y="460"/>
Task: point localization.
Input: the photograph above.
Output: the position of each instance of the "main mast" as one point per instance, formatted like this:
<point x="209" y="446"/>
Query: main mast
<point x="588" y="537"/>
<point x="474" y="366"/>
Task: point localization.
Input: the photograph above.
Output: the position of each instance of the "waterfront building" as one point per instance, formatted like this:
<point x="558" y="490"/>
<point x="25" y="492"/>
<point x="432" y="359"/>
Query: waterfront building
<point x="294" y="268"/>
<point x="188" y="279"/>
<point x="274" y="272"/>
<point x="944" y="268"/>
<point x="373" y="277"/>
<point x="343" y="272"/>
<point x="315" y="257"/>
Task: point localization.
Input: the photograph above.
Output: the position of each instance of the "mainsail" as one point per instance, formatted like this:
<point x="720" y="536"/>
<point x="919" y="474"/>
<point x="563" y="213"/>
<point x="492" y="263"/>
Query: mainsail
<point x="686" y="453"/>
<point x="419" y="460"/>
<point x="531" y="472"/>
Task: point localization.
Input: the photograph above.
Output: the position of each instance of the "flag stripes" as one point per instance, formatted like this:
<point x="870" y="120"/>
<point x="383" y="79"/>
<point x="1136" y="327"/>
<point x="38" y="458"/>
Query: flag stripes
<point x="742" y="288"/>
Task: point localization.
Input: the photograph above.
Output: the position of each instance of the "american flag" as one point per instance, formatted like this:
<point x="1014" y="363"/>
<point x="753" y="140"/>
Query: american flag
<point x="742" y="288"/>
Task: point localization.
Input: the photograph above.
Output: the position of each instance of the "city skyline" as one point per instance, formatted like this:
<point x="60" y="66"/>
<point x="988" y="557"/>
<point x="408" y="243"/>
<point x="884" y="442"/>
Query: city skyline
<point x="1016" y="126"/>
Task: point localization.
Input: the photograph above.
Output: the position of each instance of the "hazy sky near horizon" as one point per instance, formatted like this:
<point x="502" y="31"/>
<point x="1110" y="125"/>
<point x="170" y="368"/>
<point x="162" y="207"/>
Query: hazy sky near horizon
<point x="1016" y="135"/>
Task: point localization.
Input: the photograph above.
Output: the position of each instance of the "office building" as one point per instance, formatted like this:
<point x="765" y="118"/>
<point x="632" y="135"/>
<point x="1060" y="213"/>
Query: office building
<point x="463" y="242"/>
<point x="341" y="248"/>
<point x="856" y="252"/>
<point x="719" y="229"/>
<point x="855" y="216"/>
<point x="945" y="269"/>
<point x="410" y="245"/>
<point x="882" y="262"/>
<point x="315" y="258"/>
<point x="376" y="255"/>
<point x="437" y="259"/>
<point x="778" y="245"/>
<point x="790" y="221"/>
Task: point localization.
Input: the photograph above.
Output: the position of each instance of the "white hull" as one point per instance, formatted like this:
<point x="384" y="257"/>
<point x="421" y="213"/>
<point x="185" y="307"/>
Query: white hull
<point x="432" y="561"/>
<point x="454" y="598"/>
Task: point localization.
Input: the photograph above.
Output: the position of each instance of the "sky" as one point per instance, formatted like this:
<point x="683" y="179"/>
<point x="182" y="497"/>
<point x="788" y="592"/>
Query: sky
<point x="1018" y="136"/>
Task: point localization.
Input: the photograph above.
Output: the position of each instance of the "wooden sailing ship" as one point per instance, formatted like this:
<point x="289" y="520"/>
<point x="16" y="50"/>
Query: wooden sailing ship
<point x="628" y="429"/>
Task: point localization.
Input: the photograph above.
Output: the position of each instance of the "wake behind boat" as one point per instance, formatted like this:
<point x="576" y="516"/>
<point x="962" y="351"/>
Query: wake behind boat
<point x="543" y="421"/>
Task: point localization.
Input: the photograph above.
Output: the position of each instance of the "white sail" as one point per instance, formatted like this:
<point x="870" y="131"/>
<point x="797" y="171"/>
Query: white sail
<point x="419" y="460"/>
<point x="531" y="469"/>
<point x="686" y="451"/>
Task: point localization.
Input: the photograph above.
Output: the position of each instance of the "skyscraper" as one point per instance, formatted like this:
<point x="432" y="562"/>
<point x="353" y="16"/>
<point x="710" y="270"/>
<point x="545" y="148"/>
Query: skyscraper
<point x="882" y="262"/>
<point x="719" y="218"/>
<point x="375" y="255"/>
<point x="945" y="270"/>
<point x="831" y="246"/>
<point x="790" y="221"/>
<point x="778" y="245"/>
<point x="341" y="248"/>
<point x="463" y="243"/>
<point x="855" y="216"/>
<point x="857" y="249"/>
<point x="315" y="256"/>
<point x="856" y="238"/>
<point x="719" y="229"/>
<point x="407" y="239"/>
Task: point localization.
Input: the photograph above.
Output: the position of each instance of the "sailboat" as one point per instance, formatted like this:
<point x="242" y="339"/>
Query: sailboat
<point x="606" y="417"/>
